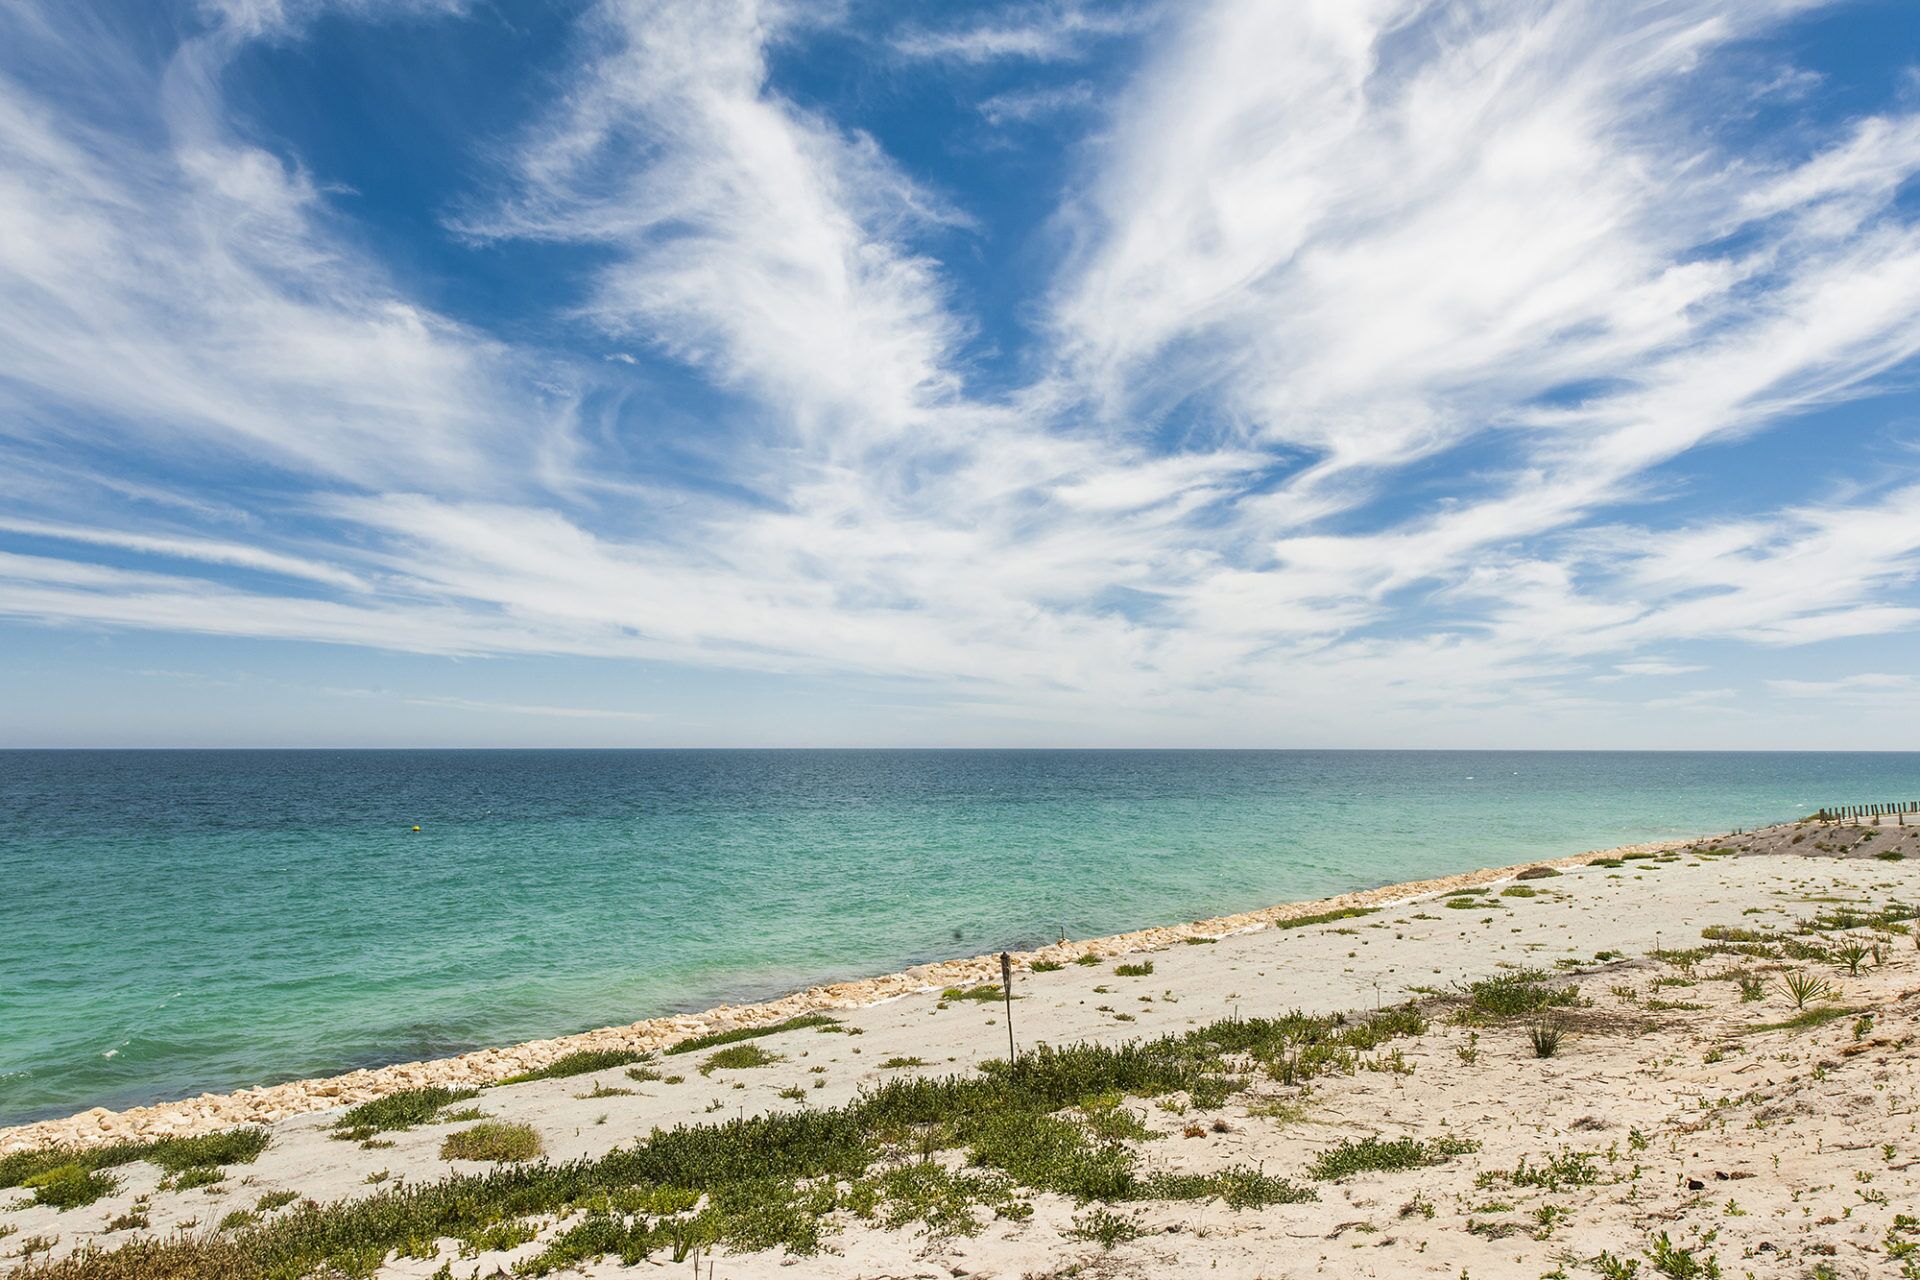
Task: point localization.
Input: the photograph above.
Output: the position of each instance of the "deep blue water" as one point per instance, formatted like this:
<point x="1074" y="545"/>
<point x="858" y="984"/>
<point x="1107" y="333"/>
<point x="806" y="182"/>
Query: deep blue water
<point x="173" y="922"/>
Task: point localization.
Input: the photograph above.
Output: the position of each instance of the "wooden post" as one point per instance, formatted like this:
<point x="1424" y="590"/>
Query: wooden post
<point x="1006" y="989"/>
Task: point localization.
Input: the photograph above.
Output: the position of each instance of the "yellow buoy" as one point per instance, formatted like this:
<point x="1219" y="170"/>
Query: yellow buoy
<point x="416" y="828"/>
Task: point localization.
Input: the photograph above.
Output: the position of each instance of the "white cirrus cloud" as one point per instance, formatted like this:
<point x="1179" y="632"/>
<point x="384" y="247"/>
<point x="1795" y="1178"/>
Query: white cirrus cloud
<point x="1381" y="333"/>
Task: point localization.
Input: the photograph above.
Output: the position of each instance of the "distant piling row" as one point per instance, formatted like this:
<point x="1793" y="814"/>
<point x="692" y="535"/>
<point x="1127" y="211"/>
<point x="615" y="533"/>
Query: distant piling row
<point x="1857" y="812"/>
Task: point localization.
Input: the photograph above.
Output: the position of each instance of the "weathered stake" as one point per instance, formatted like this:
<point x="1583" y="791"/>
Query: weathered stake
<point x="1006" y="990"/>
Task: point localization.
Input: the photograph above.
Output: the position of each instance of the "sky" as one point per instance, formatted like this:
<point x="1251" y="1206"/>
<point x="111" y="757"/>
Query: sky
<point x="1237" y="373"/>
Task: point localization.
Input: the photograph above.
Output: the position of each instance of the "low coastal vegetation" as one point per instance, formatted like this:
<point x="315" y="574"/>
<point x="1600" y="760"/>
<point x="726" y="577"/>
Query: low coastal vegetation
<point x="739" y="1057"/>
<point x="1052" y="1122"/>
<point x="1373" y="1155"/>
<point x="492" y="1140"/>
<point x="66" y="1179"/>
<point x="718" y="1038"/>
<point x="578" y="1064"/>
<point x="1518" y="993"/>
<point x="1324" y="917"/>
<point x="401" y="1110"/>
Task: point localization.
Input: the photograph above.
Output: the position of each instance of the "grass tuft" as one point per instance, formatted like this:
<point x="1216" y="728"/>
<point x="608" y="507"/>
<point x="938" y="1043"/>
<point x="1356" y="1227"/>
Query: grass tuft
<point x="493" y="1140"/>
<point x="1806" y="1019"/>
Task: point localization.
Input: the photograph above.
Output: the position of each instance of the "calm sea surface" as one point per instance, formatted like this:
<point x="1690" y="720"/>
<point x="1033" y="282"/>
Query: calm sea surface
<point x="173" y="922"/>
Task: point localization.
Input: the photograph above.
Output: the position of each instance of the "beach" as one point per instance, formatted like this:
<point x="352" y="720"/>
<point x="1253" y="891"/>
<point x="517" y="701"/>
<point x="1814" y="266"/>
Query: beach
<point x="204" y="922"/>
<point x="1691" y="1097"/>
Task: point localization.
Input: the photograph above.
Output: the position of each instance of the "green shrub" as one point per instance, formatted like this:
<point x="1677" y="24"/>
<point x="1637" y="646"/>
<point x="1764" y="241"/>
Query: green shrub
<point x="401" y="1110"/>
<point x="1675" y="1263"/>
<point x="696" y="1043"/>
<point x="1368" y="1155"/>
<point x="493" y="1140"/>
<point x="68" y="1186"/>
<point x="230" y="1146"/>
<point x="1105" y="1228"/>
<point x="1238" y="1188"/>
<point x="577" y="1064"/>
<point x="739" y="1057"/>
<point x="1518" y="993"/>
<point x="1142" y="969"/>
<point x="1324" y="917"/>
<point x="1567" y="1169"/>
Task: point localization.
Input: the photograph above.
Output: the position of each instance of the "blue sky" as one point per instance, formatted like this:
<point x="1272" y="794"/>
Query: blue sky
<point x="1214" y="373"/>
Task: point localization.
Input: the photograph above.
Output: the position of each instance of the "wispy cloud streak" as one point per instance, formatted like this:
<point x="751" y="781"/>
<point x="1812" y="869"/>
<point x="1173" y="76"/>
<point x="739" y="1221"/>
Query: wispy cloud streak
<point x="1380" y="331"/>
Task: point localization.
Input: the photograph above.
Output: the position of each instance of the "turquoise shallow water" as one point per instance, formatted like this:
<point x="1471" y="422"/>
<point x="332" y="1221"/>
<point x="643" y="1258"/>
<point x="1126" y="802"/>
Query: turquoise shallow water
<point x="174" y="922"/>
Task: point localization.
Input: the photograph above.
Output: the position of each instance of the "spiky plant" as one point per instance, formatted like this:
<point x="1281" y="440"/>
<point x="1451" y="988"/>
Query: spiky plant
<point x="1802" y="987"/>
<point x="1852" y="956"/>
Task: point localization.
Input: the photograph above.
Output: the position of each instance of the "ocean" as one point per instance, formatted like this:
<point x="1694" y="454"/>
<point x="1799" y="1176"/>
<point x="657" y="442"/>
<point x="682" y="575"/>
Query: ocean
<point x="173" y="922"/>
